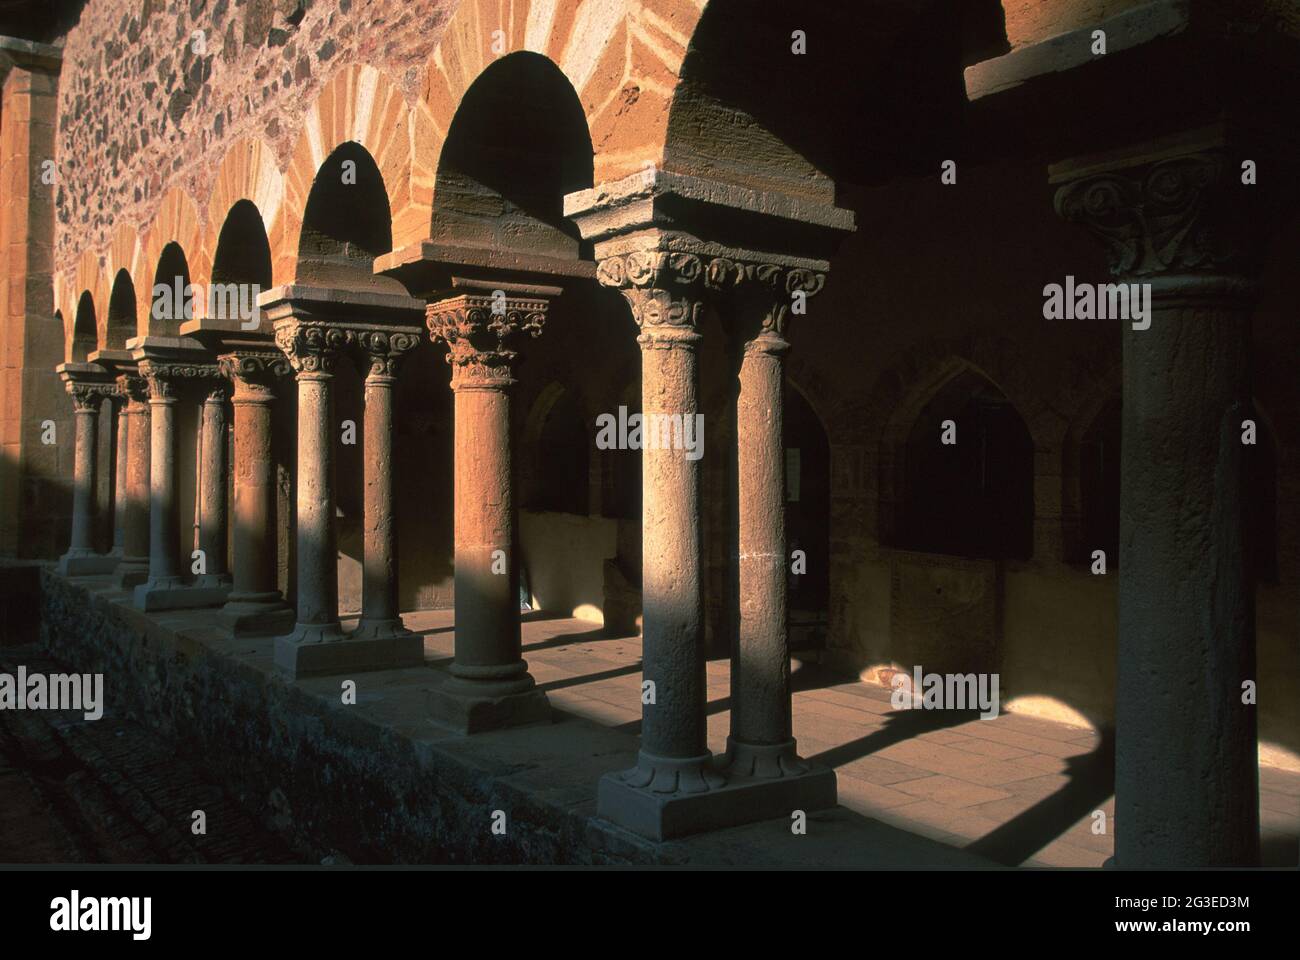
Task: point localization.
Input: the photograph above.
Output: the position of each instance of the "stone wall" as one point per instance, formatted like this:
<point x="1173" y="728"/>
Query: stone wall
<point x="155" y="91"/>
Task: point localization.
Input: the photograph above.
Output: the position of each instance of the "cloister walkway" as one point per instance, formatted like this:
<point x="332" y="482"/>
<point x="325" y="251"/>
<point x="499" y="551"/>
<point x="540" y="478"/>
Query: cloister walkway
<point x="1015" y="789"/>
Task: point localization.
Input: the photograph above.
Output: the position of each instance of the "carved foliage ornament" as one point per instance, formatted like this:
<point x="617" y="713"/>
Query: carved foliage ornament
<point x="668" y="289"/>
<point x="383" y="349"/>
<point x="1173" y="215"/>
<point x="135" y="389"/>
<point x="312" y="347"/>
<point x="167" y="379"/>
<point x="481" y="334"/>
<point x="254" y="367"/>
<point x="87" y="397"/>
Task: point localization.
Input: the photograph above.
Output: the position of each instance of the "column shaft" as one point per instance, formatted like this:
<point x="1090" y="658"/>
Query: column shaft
<point x="213" y="519"/>
<point x="673" y="727"/>
<point x="379" y="583"/>
<point x="486" y="579"/>
<point x="1186" y="598"/>
<point x="254" y="530"/>
<point x="760" y="673"/>
<point x="84" y="478"/>
<point x="318" y="589"/>
<point x="135" y="522"/>
<point x="164" y="516"/>
<point x="121" y="453"/>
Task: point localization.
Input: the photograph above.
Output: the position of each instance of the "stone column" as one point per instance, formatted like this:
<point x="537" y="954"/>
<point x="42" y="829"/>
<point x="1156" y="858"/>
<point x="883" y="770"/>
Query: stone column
<point x="313" y="352"/>
<point x="665" y="294"/>
<point x="164" y="517"/>
<point x="121" y="452"/>
<point x="379" y="616"/>
<point x="212" y="487"/>
<point x="490" y="685"/>
<point x="255" y="606"/>
<point x="135" y="423"/>
<point x="86" y="401"/>
<point x="1186" y="768"/>
<point x="761" y="743"/>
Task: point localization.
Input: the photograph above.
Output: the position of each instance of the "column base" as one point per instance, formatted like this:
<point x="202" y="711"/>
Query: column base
<point x="87" y="564"/>
<point x="132" y="572"/>
<point x="154" y="595"/>
<point x="763" y="761"/>
<point x="214" y="581"/>
<point x="256" y="615"/>
<point x="380" y="629"/>
<point x="476" y="706"/>
<point x="663" y="798"/>
<point x="322" y="650"/>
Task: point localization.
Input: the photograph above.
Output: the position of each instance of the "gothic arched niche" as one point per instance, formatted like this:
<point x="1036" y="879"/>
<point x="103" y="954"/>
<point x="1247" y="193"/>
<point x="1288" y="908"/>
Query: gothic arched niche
<point x="121" y="312"/>
<point x="346" y="223"/>
<point x="170" y="301"/>
<point x="973" y="497"/>
<point x="517" y="144"/>
<point x="84" y="337"/>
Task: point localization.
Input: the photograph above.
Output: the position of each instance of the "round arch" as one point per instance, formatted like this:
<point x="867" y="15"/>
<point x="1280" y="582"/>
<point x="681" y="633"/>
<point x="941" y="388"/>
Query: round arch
<point x="84" y="336"/>
<point x="121" y="312"/>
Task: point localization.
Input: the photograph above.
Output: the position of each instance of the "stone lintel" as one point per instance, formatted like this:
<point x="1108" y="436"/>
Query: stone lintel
<point x="85" y="374"/>
<point x="663" y="202"/>
<point x="29" y="55"/>
<point x="667" y="816"/>
<point x="429" y="268"/>
<point x="167" y="349"/>
<point x="118" y="362"/>
<point x="341" y="306"/>
<point x="1069" y="51"/>
<point x="1169" y="66"/>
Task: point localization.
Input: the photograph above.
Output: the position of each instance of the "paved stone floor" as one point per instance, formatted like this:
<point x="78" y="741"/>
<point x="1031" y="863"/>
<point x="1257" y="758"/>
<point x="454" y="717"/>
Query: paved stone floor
<point x="1014" y="789"/>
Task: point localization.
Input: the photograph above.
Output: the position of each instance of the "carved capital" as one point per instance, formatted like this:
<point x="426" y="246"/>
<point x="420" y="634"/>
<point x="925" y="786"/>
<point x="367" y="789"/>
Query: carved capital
<point x="87" y="397"/>
<point x="1185" y="214"/>
<point x="311" y="347"/>
<point x="253" y="373"/>
<point x="670" y="289"/>
<point x="167" y="379"/>
<point x="663" y="289"/>
<point x="483" y="334"/>
<point x="134" y="389"/>
<point x="384" y="350"/>
<point x="764" y="295"/>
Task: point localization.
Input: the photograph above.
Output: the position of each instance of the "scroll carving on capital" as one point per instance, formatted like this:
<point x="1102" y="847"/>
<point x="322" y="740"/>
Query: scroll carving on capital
<point x="312" y="347"/>
<point x="669" y="289"/>
<point x="1173" y="215"/>
<point x="253" y="374"/>
<point x="134" y="389"/>
<point x="483" y="334"/>
<point x="384" y="350"/>
<point x="765" y="293"/>
<point x="87" y="397"/>
<point x="663" y="289"/>
<point x="167" y="379"/>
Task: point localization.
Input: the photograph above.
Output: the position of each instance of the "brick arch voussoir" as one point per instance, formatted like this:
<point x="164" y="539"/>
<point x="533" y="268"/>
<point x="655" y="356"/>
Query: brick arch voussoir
<point x="359" y="104"/>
